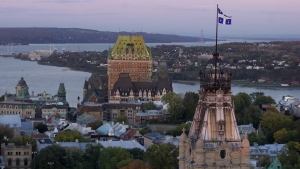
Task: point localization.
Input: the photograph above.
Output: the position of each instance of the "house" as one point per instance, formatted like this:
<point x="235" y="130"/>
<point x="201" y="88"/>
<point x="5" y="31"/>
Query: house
<point x="258" y="152"/>
<point x="17" y="156"/>
<point x="157" y="115"/>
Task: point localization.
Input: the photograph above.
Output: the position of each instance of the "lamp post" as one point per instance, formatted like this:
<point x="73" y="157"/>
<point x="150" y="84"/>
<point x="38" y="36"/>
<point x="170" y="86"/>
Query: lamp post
<point x="34" y="153"/>
<point x="5" y="142"/>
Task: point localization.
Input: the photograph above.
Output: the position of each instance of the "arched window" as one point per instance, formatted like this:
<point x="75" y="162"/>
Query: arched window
<point x="9" y="162"/>
<point x="223" y="154"/>
<point x="17" y="162"/>
<point x="25" y="162"/>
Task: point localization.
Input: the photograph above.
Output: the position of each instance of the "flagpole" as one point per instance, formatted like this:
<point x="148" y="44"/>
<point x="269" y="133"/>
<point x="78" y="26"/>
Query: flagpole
<point x="216" y="52"/>
<point x="217" y="30"/>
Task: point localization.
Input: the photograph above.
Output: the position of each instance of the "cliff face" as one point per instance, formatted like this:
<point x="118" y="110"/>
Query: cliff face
<point x="75" y="35"/>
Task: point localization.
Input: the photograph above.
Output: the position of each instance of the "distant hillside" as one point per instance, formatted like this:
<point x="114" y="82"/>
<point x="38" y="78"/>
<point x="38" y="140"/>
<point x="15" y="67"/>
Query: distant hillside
<point x="75" y="35"/>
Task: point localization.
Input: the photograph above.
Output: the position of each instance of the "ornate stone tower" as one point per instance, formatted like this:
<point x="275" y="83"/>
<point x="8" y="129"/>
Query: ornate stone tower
<point x="129" y="55"/>
<point x="214" y="141"/>
<point x="22" y="89"/>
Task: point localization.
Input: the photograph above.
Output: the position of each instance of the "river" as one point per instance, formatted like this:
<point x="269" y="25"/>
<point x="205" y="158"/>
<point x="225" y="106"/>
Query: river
<point x="41" y="78"/>
<point x="100" y="46"/>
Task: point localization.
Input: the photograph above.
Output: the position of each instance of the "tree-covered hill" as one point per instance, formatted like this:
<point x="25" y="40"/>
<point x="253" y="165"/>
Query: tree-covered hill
<point x="75" y="35"/>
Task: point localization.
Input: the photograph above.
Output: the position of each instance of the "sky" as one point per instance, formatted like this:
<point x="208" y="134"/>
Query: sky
<point x="181" y="17"/>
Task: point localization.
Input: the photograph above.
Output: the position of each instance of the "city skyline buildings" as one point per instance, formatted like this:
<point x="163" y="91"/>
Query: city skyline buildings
<point x="269" y="17"/>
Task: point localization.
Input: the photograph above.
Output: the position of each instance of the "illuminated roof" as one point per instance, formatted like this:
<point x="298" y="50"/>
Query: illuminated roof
<point x="130" y="45"/>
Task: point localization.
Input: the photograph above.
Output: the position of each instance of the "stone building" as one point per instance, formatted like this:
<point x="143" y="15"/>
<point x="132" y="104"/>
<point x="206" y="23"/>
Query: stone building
<point x="21" y="108"/>
<point x="129" y="55"/>
<point x="214" y="141"/>
<point x="16" y="156"/>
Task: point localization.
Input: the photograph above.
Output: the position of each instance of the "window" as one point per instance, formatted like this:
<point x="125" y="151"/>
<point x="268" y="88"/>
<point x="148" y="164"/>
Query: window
<point x="17" y="162"/>
<point x="25" y="162"/>
<point x="223" y="154"/>
<point x="9" y="162"/>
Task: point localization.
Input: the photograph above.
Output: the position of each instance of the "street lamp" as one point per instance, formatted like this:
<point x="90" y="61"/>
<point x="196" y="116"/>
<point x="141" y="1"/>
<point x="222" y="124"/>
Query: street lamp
<point x="5" y="142"/>
<point x="34" y="153"/>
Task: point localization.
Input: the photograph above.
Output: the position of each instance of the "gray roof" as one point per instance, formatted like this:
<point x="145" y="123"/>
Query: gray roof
<point x="12" y="120"/>
<point x="26" y="125"/>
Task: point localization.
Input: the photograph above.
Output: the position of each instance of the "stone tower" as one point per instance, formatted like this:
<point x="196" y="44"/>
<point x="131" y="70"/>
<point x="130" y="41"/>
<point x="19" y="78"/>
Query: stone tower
<point x="129" y="55"/>
<point x="214" y="141"/>
<point x="22" y="89"/>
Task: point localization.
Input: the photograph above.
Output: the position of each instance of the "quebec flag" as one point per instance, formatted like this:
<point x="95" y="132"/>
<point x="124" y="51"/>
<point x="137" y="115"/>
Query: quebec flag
<point x="223" y="19"/>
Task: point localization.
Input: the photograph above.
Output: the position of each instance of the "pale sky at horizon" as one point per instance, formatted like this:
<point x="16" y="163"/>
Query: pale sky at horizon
<point x="186" y="17"/>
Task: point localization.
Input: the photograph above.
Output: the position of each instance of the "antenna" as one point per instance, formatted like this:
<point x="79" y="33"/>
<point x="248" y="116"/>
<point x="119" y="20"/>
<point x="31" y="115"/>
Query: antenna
<point x="202" y="36"/>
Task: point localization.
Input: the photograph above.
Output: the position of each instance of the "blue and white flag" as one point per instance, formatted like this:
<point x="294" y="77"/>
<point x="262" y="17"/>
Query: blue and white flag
<point x="223" y="19"/>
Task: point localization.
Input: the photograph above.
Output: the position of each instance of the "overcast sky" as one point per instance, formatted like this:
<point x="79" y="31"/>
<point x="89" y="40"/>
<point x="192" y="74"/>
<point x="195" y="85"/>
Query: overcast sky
<point x="183" y="17"/>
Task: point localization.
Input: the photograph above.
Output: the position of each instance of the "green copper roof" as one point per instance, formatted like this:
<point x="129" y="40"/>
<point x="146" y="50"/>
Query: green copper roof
<point x="127" y="44"/>
<point x="61" y="89"/>
<point x="275" y="164"/>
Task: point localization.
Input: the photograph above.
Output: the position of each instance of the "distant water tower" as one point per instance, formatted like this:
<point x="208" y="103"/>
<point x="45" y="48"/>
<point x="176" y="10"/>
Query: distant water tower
<point x="202" y="37"/>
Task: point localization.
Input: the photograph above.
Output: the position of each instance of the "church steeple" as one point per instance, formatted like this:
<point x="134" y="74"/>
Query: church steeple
<point x="214" y="140"/>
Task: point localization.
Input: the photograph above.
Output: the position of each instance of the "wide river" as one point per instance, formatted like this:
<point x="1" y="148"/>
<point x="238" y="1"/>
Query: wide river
<point x="41" y="78"/>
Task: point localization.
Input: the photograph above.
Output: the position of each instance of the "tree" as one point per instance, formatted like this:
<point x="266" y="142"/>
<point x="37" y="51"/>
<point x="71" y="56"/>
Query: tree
<point x="289" y="155"/>
<point x="145" y="131"/>
<point x="110" y="157"/>
<point x="91" y="156"/>
<point x="42" y="127"/>
<point x="136" y="153"/>
<point x="175" y="104"/>
<point x="70" y="136"/>
<point x="95" y="124"/>
<point x="121" y="119"/>
<point x="162" y="156"/>
<point x="254" y="138"/>
<point x="6" y="131"/>
<point x="264" y="100"/>
<point x="245" y="111"/>
<point x="53" y="153"/>
<point x="272" y="122"/>
<point x="190" y="101"/>
<point x="283" y="136"/>
<point x="150" y="106"/>
<point x="23" y="140"/>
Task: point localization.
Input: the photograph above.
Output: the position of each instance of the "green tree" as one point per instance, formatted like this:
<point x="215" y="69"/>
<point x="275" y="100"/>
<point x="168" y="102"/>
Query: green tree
<point x="53" y="153"/>
<point x="95" y="124"/>
<point x="283" y="136"/>
<point x="70" y="136"/>
<point x="121" y="119"/>
<point x="245" y="111"/>
<point x="289" y="155"/>
<point x="272" y="122"/>
<point x="254" y="138"/>
<point x="6" y="131"/>
<point x="264" y="100"/>
<point x="265" y="162"/>
<point x="190" y="101"/>
<point x="74" y="158"/>
<point x="162" y="156"/>
<point x="150" y="106"/>
<point x="175" y="106"/>
<point x="145" y="131"/>
<point x="136" y="153"/>
<point x="110" y="157"/>
<point x="91" y="156"/>
<point x="42" y="127"/>
<point x="23" y="140"/>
